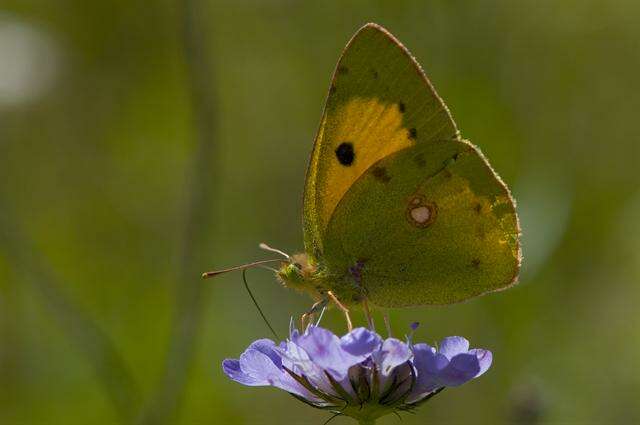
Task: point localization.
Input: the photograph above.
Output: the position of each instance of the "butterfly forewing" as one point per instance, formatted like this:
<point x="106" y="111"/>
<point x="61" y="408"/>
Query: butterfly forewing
<point x="379" y="103"/>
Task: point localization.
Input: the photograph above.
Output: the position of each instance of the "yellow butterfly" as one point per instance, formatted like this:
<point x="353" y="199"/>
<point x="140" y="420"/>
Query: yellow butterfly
<point x="399" y="210"/>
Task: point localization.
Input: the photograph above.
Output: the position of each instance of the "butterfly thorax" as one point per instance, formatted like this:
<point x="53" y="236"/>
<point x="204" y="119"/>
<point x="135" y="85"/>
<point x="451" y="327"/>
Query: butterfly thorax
<point x="316" y="279"/>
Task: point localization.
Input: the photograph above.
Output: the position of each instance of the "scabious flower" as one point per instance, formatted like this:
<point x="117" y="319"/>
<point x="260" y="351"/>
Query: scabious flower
<point x="360" y="374"/>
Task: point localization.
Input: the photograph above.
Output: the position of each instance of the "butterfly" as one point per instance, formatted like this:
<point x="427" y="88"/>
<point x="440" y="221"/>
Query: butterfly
<point x="399" y="210"/>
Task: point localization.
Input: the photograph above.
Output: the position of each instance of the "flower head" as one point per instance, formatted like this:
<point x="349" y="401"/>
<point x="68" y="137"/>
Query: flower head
<point x="360" y="374"/>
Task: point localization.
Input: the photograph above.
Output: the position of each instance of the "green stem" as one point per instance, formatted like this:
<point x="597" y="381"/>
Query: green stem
<point x="191" y="292"/>
<point x="89" y="338"/>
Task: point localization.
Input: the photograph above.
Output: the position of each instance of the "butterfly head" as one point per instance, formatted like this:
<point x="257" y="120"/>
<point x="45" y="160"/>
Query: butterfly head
<point x="291" y="274"/>
<point x="298" y="273"/>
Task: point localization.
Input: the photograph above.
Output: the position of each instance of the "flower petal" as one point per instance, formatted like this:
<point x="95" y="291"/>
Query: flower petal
<point x="485" y="357"/>
<point x="259" y="366"/>
<point x="267" y="347"/>
<point x="324" y="349"/>
<point x="460" y="369"/>
<point x="287" y="383"/>
<point x="231" y="368"/>
<point x="296" y="359"/>
<point x="392" y="353"/>
<point x="428" y="364"/>
<point x="453" y="345"/>
<point x="360" y="342"/>
<point x="427" y="360"/>
<point x="322" y="345"/>
<point x="259" y="370"/>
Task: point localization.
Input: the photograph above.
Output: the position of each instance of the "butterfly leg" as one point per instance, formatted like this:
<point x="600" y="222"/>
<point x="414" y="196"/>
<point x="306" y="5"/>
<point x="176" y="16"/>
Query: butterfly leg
<point x="344" y="309"/>
<point x="312" y="311"/>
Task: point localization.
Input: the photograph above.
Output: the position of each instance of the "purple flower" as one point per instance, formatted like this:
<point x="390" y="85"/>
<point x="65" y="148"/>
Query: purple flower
<point x="360" y="374"/>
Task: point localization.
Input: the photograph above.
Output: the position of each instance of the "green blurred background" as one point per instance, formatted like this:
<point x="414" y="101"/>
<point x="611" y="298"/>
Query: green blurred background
<point x="142" y="143"/>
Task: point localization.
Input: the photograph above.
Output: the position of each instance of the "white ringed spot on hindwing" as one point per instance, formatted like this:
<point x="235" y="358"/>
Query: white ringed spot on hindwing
<point x="420" y="212"/>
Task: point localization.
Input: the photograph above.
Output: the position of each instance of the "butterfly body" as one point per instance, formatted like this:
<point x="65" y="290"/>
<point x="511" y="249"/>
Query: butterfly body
<point x="317" y="280"/>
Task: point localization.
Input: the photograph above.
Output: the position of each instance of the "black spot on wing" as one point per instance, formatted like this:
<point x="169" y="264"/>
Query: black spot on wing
<point x="413" y="133"/>
<point x="475" y="263"/>
<point x="419" y="160"/>
<point x="380" y="173"/>
<point x="401" y="107"/>
<point x="374" y="74"/>
<point x="345" y="154"/>
<point x="343" y="70"/>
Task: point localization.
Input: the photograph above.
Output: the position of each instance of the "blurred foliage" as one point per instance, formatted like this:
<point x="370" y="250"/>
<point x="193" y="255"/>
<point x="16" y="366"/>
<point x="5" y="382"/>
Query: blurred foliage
<point x="103" y="113"/>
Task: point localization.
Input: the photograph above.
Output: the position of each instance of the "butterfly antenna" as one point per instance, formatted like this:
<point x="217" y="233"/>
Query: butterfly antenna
<point x="277" y="251"/>
<point x="255" y="302"/>
<point x="214" y="273"/>
<point x="271" y="269"/>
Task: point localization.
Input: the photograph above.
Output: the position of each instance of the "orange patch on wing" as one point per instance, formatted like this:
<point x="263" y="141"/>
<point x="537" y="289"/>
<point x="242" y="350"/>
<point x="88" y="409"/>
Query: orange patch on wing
<point x="374" y="129"/>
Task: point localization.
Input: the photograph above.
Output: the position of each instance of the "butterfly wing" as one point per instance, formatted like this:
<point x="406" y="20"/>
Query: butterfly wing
<point x="380" y="102"/>
<point x="392" y="187"/>
<point x="430" y="224"/>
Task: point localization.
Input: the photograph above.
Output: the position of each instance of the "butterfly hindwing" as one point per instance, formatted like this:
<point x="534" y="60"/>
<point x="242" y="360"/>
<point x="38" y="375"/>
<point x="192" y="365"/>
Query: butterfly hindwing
<point x="379" y="102"/>
<point x="431" y="224"/>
